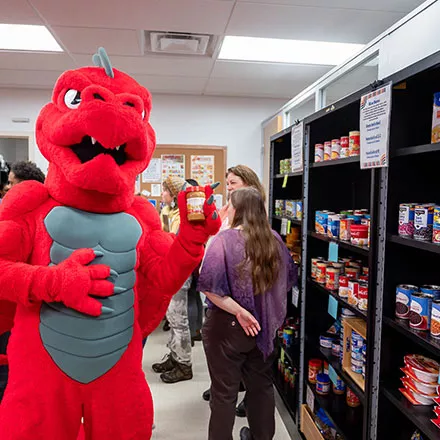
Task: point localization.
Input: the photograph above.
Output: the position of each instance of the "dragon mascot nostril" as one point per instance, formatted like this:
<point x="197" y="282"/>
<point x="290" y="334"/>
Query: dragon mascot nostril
<point x="85" y="267"/>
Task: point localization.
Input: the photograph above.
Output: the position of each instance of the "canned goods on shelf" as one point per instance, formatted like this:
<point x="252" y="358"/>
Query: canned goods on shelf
<point x="436" y="226"/>
<point x="403" y="300"/>
<point x="336" y="149"/>
<point x="327" y="151"/>
<point x="321" y="272"/>
<point x="406" y="220"/>
<point x="354" y="143"/>
<point x="435" y="319"/>
<point x="420" y="314"/>
<point x="363" y="296"/>
<point x="431" y="290"/>
<point x="332" y="278"/>
<point x="343" y="286"/>
<point x="423" y="222"/>
<point x="319" y="153"/>
<point x="345" y="146"/>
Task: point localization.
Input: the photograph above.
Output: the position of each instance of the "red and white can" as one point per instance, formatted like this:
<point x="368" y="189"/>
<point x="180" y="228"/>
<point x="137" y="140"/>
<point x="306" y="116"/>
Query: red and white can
<point x="321" y="272"/>
<point x="332" y="278"/>
<point x="343" y="286"/>
<point x="363" y="296"/>
<point x="336" y="149"/>
<point x="353" y="295"/>
<point x="319" y="153"/>
<point x="327" y="150"/>
<point x="345" y="144"/>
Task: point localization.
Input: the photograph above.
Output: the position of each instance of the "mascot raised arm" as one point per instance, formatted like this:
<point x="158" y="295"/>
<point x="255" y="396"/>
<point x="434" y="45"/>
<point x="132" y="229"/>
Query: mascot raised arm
<point x="85" y="267"/>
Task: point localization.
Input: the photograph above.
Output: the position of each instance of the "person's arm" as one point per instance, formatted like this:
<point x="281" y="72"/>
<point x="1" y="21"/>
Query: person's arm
<point x="248" y="322"/>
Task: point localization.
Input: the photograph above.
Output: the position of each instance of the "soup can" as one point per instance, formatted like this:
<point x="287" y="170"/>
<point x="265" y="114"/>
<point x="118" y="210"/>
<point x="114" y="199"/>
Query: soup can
<point x="339" y="266"/>
<point x="363" y="296"/>
<point x="332" y="278"/>
<point x="343" y="286"/>
<point x="423" y="222"/>
<point x="431" y="290"/>
<point x="315" y="261"/>
<point x="336" y="149"/>
<point x="336" y="348"/>
<point x="406" y="220"/>
<point x="288" y="335"/>
<point x="321" y="272"/>
<point x="327" y="150"/>
<point x="352" y="400"/>
<point x="436" y="226"/>
<point x="403" y="300"/>
<point x="319" y="153"/>
<point x="435" y="319"/>
<point x="354" y="143"/>
<point x="352" y="272"/>
<point x="345" y="146"/>
<point x="420" y="314"/>
<point x="353" y="292"/>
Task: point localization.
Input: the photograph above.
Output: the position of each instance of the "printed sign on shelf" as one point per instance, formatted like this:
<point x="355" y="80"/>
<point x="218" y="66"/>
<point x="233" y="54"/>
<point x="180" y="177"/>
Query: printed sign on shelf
<point x="375" y="127"/>
<point x="297" y="147"/>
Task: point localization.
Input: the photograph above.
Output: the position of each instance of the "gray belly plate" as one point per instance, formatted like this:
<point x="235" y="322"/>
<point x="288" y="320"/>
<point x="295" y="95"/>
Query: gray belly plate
<point x="82" y="346"/>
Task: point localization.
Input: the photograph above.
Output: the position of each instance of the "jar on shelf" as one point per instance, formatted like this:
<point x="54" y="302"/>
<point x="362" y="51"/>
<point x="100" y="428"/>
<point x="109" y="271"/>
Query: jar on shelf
<point x="315" y="366"/>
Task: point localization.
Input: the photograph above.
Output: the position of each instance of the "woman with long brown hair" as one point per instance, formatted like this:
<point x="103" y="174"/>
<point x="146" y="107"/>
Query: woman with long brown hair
<point x="246" y="274"/>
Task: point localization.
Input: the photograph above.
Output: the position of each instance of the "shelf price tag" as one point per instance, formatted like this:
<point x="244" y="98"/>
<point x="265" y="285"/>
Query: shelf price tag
<point x="375" y="127"/>
<point x="332" y="374"/>
<point x="289" y="224"/>
<point x="310" y="399"/>
<point x="332" y="307"/>
<point x="333" y="250"/>
<point x="295" y="296"/>
<point x="282" y="355"/>
<point x="283" y="230"/>
<point x="285" y="180"/>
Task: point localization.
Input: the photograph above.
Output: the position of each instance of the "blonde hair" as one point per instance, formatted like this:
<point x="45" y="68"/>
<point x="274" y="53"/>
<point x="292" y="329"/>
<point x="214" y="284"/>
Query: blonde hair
<point x="249" y="178"/>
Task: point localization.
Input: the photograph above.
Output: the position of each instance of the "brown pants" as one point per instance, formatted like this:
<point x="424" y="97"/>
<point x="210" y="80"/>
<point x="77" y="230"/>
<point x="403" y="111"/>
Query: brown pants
<point x="232" y="356"/>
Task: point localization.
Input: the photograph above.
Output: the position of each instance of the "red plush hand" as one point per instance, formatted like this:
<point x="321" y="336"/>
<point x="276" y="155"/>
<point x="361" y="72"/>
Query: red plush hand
<point x="72" y="282"/>
<point x="3" y="359"/>
<point x="199" y="232"/>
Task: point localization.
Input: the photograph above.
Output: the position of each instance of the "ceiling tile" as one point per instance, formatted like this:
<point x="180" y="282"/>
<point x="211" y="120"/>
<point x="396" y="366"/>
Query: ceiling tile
<point x="306" y="23"/>
<point x="35" y="61"/>
<point x="171" y="84"/>
<point x="287" y="72"/>
<point x="371" y="5"/>
<point x="87" y="40"/>
<point x="167" y="15"/>
<point x="28" y="78"/>
<point x="18" y="12"/>
<point x="263" y="88"/>
<point x="157" y="65"/>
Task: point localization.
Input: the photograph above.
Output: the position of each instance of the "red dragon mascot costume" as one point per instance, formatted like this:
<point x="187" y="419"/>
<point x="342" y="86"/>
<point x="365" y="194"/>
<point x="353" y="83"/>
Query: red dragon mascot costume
<point x="85" y="266"/>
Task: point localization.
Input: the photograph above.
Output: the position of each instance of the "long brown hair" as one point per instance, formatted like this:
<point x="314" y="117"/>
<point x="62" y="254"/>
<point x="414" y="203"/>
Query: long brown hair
<point x="249" y="178"/>
<point x="262" y="248"/>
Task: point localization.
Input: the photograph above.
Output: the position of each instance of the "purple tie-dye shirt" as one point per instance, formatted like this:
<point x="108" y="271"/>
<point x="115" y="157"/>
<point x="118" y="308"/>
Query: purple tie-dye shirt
<point x="219" y="275"/>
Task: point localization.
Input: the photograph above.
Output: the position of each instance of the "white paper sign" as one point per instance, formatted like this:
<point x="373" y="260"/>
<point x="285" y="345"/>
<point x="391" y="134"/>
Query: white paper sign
<point x="295" y="296"/>
<point x="297" y="147"/>
<point x="153" y="172"/>
<point x="283" y="230"/>
<point x="375" y="127"/>
<point x="310" y="399"/>
<point x="156" y="189"/>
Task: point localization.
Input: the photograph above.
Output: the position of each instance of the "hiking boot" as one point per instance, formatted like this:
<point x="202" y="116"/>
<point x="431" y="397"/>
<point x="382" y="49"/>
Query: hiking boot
<point x="240" y="411"/>
<point x="245" y="433"/>
<point x="207" y="395"/>
<point x="179" y="373"/>
<point x="167" y="365"/>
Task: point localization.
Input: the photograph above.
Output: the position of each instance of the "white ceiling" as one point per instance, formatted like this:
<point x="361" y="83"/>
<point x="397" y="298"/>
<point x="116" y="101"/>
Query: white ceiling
<point x="80" y="26"/>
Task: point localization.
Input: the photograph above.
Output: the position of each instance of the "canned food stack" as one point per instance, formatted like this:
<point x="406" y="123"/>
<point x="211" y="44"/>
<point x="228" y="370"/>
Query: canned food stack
<point x="288" y="333"/>
<point x="346" y="146"/>
<point x="289" y="208"/>
<point x="420" y="222"/>
<point x="420" y="383"/>
<point x="350" y="226"/>
<point x="420" y="307"/>
<point x="285" y="166"/>
<point x="347" y="277"/>
<point x="358" y="353"/>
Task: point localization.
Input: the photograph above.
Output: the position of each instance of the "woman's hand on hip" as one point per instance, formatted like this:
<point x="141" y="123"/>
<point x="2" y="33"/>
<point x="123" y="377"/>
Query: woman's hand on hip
<point x="248" y="322"/>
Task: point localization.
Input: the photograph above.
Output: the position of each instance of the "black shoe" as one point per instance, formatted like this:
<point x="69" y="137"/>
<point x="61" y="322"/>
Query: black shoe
<point x="207" y="395"/>
<point x="162" y="367"/>
<point x="166" y="326"/>
<point x="245" y="433"/>
<point x="179" y="373"/>
<point x="198" y="336"/>
<point x="240" y="411"/>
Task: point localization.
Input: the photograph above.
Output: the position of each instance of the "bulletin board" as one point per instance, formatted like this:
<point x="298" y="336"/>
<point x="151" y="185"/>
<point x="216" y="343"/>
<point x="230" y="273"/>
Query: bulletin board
<point x="197" y="162"/>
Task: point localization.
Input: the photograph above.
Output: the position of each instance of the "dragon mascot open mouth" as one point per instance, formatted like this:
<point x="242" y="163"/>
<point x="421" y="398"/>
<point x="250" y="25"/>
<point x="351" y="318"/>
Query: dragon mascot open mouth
<point x="85" y="270"/>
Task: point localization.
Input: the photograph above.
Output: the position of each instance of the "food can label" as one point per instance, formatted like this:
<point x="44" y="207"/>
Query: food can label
<point x="406" y="220"/>
<point x="435" y="320"/>
<point x="403" y="302"/>
<point x="332" y="279"/>
<point x="194" y="205"/>
<point x="363" y="297"/>
<point x="423" y="224"/>
<point x="319" y="153"/>
<point x="353" y="289"/>
<point x="420" y="315"/>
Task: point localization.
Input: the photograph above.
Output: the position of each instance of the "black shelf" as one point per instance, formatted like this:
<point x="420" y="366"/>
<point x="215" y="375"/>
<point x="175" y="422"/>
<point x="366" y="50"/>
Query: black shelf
<point x="423" y="245"/>
<point x="336" y="162"/>
<point x="419" y="415"/>
<point x="334" y="362"/>
<point x="363" y="250"/>
<point x="420" y="149"/>
<point x="422" y="338"/>
<point x="284" y="399"/>
<point x="347" y="420"/>
<point x="281" y="176"/>
<point x="294" y="221"/>
<point x="334" y="294"/>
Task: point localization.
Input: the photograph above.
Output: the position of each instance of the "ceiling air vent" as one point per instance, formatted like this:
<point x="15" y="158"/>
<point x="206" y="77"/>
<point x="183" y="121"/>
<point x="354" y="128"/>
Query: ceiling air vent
<point x="173" y="43"/>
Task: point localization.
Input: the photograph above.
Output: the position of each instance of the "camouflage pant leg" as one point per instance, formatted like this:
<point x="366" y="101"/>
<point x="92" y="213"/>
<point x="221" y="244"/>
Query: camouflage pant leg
<point x="180" y="335"/>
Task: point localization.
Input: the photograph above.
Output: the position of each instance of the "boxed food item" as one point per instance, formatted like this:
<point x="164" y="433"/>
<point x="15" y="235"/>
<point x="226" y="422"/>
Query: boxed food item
<point x="290" y="208"/>
<point x="435" y="134"/>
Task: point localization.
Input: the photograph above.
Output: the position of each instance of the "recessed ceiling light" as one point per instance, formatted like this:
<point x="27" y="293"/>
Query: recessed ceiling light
<point x="272" y="50"/>
<point x="27" y="37"/>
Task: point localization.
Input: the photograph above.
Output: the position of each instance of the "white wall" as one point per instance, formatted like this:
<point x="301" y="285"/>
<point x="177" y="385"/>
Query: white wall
<point x="177" y="119"/>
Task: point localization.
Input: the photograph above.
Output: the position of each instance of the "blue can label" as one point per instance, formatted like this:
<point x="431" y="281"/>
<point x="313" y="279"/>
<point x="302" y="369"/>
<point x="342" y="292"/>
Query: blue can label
<point x="420" y="315"/>
<point x="321" y="222"/>
<point x="403" y="300"/>
<point x="431" y="290"/>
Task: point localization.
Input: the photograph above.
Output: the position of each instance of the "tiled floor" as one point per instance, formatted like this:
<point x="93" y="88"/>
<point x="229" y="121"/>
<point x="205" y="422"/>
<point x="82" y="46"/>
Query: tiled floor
<point x="181" y="413"/>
